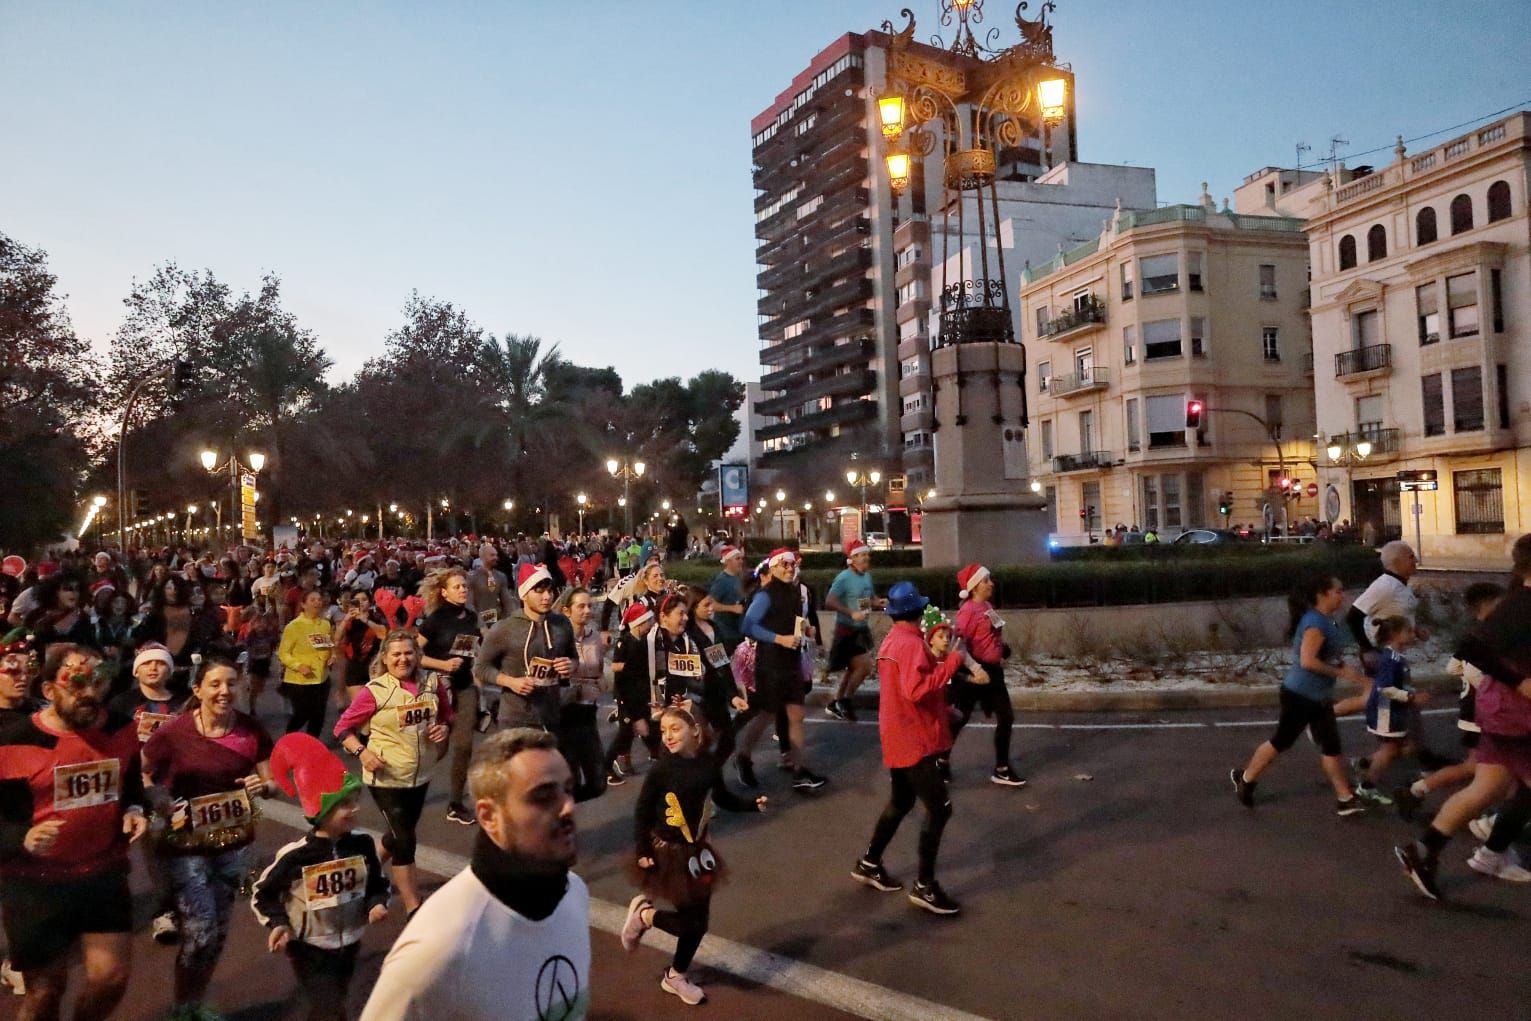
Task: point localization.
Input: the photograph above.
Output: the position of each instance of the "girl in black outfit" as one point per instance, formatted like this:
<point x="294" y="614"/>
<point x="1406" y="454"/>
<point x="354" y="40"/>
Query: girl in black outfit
<point x="448" y="637"/>
<point x="674" y="858"/>
<point x="720" y="692"/>
<point x="631" y="685"/>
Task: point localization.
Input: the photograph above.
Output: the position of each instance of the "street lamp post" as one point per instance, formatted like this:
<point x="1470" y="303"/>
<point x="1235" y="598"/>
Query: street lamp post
<point x="781" y="512"/>
<point x="861" y="478"/>
<point x="234" y="468"/>
<point x="626" y="471"/>
<point x="1346" y="450"/>
<point x="582" y="501"/>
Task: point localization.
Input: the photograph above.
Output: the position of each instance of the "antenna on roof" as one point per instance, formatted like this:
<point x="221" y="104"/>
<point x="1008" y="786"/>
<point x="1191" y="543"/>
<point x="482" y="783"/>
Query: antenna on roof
<point x="1302" y="147"/>
<point x="1334" y="151"/>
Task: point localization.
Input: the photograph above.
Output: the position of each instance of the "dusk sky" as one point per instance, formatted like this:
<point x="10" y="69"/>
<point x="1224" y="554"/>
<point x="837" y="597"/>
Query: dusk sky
<point x="582" y="171"/>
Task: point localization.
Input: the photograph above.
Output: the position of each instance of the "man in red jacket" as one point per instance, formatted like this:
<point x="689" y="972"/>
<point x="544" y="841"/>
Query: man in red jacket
<point x="913" y="723"/>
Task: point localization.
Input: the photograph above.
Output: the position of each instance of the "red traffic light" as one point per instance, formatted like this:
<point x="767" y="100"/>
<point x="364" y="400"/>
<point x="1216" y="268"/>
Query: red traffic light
<point x="1193" y="410"/>
<point x="1286" y="483"/>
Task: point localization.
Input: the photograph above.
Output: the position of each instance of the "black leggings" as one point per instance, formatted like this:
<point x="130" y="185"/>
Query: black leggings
<point x="622" y="743"/>
<point x="923" y="782"/>
<point x="688" y="924"/>
<point x="1512" y="819"/>
<point x="401" y="808"/>
<point x="995" y="699"/>
<point x="309" y="702"/>
<point x="580" y="744"/>
<point x="324" y="976"/>
<point x="1299" y="713"/>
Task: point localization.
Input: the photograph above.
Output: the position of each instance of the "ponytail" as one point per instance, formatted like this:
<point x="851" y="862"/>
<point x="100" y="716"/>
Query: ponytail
<point x="1305" y="596"/>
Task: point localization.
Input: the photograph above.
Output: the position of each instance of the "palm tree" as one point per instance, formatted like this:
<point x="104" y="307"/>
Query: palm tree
<point x="515" y="371"/>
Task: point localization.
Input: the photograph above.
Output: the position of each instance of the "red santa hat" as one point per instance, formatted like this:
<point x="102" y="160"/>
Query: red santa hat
<point x="529" y="576"/>
<point x="14" y="566"/>
<point x="970" y="576"/>
<point x="636" y="613"/>
<point x="853" y="547"/>
<point x="104" y="585"/>
<point x="728" y="553"/>
<point x="780" y="554"/>
<point x="304" y="768"/>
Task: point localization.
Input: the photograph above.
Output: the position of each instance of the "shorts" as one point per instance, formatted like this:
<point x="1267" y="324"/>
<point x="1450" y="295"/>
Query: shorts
<point x="44" y="919"/>
<point x="1299" y="713"/>
<point x="1512" y="753"/>
<point x="774" y="690"/>
<point x="849" y="644"/>
<point x="1470" y="738"/>
<point x="964" y="695"/>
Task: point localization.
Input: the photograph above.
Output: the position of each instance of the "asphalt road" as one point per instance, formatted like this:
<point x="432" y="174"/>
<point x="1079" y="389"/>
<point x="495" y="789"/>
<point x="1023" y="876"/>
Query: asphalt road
<point x="1143" y="891"/>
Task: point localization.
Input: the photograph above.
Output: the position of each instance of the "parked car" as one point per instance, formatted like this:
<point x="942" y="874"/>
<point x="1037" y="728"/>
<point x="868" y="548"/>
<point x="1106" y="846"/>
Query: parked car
<point x="879" y="540"/>
<point x="1207" y="536"/>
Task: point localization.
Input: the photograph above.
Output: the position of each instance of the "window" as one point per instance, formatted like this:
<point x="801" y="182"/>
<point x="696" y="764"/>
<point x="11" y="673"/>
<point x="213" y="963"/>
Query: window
<point x="911" y="329"/>
<point x="1502" y="394"/>
<point x="1498" y="201"/>
<point x="916" y="440"/>
<point x="1496" y="299"/>
<point x="1193" y="271"/>
<point x="1461" y="214"/>
<point x="1270" y="343"/>
<point x="1044" y="376"/>
<point x="1170" y="484"/>
<point x="1347" y="252"/>
<point x="909" y="367"/>
<point x="1044" y="316"/>
<point x="1127" y="280"/>
<point x="1467" y="399"/>
<point x="1369" y="415"/>
<point x="1161" y="339"/>
<point x="911" y="291"/>
<point x="1268" y="282"/>
<point x="1161" y="274"/>
<point x="1376" y="243"/>
<point x="1435" y="410"/>
<point x="1424" y="226"/>
<point x="1084" y="364"/>
<point x="1129" y="345"/>
<point x="1166" y="420"/>
<point x="1151" y="501"/>
<point x="1479" y="497"/>
<point x="1367" y="328"/>
<point x="1462" y="304"/>
<point x="794" y="330"/>
<point x="1047" y="440"/>
<point x="1195" y="501"/>
<point x="1134" y="428"/>
<point x="907" y="256"/>
<point x="1084" y="302"/>
<point x="1089" y="502"/>
<point x="1086" y="431"/>
<point x="1427" y="308"/>
<point x="1273" y="417"/>
<point x="1198" y="337"/>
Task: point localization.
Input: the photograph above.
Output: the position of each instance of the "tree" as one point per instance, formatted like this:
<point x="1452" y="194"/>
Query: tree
<point x="46" y="382"/>
<point x="515" y="370"/>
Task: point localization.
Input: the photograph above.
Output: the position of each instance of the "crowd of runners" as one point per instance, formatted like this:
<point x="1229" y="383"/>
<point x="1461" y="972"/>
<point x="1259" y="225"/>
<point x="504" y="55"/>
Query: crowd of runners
<point x="138" y="697"/>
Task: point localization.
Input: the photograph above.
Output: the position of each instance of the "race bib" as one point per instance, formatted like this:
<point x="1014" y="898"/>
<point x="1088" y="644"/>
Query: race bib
<point x="800" y="626"/>
<point x="86" y="784"/>
<point x="489" y="618"/>
<point x="148" y="723"/>
<point x="540" y="669"/>
<point x="464" y="645"/>
<point x="415" y="715"/>
<point x="333" y="883"/>
<point x="717" y="656"/>
<point x="685" y="665"/>
<point x="211" y="811"/>
<point x="320" y="642"/>
<point x="995" y="620"/>
<point x="864" y="603"/>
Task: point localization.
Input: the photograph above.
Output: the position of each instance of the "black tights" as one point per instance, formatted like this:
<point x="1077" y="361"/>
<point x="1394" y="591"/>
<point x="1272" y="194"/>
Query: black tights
<point x="923" y="782"/>
<point x="581" y="747"/>
<point x="622" y="743"/>
<point x="1512" y="819"/>
<point x="996" y="701"/>
<point x="324" y="976"/>
<point x="688" y="924"/>
<point x="309" y="702"/>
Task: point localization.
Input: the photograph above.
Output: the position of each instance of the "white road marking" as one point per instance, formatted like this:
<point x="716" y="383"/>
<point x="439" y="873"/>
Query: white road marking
<point x="980" y="725"/>
<point x="795" y="978"/>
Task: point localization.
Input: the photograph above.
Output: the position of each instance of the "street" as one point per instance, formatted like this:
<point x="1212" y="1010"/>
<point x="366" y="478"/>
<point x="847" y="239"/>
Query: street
<point x="1143" y="891"/>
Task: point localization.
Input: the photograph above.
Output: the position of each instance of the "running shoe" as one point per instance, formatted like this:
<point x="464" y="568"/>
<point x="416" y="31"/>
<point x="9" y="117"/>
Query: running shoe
<point x="615" y="778"/>
<point x="746" y="770"/>
<point x="11" y="977"/>
<point x="458" y="813"/>
<point x="483" y="721"/>
<point x="1368" y="793"/>
<point x="834" y="709"/>
<point x="849" y="710"/>
<point x="1350" y="806"/>
<point x="1419" y="869"/>
<point x="875" y="876"/>
<point x="1005" y="777"/>
<point x="1483" y="826"/>
<point x="613" y="715"/>
<point x="1500" y="865"/>
<point x="1407" y="803"/>
<point x="164" y="929"/>
<point x="1242" y="788"/>
<point x="679" y="985"/>
<point x="633" y="927"/>
<point x="932" y="898"/>
<point x="944" y="764"/>
<point x="805" y="780"/>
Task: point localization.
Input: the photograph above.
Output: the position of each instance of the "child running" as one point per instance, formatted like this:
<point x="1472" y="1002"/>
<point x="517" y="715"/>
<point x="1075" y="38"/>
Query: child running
<point x="321" y="891"/>
<point x="675" y="861"/>
<point x="1388" y="705"/>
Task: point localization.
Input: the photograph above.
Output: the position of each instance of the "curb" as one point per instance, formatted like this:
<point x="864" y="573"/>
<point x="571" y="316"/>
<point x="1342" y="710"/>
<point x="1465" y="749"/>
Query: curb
<point x="1039" y="700"/>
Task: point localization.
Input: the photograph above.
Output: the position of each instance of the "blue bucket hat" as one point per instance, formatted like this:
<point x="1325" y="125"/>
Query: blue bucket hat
<point x="904" y="600"/>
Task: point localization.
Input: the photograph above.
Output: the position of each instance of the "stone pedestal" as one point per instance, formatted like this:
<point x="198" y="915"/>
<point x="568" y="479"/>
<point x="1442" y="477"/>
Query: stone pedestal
<point x="984" y="509"/>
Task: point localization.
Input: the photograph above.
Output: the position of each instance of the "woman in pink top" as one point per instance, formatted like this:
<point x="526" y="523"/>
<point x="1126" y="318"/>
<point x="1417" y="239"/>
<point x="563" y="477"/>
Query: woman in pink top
<point x="982" y="628"/>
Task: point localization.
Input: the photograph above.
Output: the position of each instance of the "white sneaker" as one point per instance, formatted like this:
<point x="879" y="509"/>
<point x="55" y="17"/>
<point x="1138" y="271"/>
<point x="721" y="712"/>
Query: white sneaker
<point x="633" y="927"/>
<point x="679" y="985"/>
<point x="1500" y="866"/>
<point x="1482" y="826"/>
<point x="11" y="977"/>
<point x="164" y="929"/>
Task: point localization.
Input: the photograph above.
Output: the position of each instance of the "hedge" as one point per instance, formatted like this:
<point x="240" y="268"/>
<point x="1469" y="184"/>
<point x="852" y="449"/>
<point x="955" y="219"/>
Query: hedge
<point x="756" y="550"/>
<point x="1102" y="582"/>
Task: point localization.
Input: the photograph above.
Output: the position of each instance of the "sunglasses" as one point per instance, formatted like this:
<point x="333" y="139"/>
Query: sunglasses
<point x="93" y="679"/>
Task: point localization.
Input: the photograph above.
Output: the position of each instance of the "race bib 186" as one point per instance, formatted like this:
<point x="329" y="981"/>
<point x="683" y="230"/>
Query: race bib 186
<point x="332" y="883"/>
<point x="489" y="618"/>
<point x="211" y="811"/>
<point x="415" y="715"/>
<point x="717" y="656"/>
<point x="86" y="784"/>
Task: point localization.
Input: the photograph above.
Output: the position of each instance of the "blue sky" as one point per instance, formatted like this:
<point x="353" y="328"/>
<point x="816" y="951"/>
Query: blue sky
<point x="581" y="171"/>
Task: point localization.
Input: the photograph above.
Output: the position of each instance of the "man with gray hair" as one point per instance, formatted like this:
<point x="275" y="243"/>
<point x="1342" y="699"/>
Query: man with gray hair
<point x="1388" y="596"/>
<point x="509" y="936"/>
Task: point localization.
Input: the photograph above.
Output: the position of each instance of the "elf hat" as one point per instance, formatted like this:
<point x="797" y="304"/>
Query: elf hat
<point x="969" y="577"/>
<point x="17" y="641"/>
<point x="728" y="553"/>
<point x="304" y="768"/>
<point x="853" y="547"/>
<point x="636" y="613"/>
<point x="151" y="651"/>
<point x="933" y="620"/>
<point x="529" y="576"/>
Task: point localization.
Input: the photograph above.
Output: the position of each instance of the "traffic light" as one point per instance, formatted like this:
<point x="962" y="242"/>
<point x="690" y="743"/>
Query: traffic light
<point x="1285" y="483"/>
<point x="1193" y="410"/>
<point x="1225" y="504"/>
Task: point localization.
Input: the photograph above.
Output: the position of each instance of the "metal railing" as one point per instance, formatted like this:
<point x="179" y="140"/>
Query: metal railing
<point x="1090" y="312"/>
<point x="1082" y="461"/>
<point x="1363" y="359"/>
<point x="1078" y="382"/>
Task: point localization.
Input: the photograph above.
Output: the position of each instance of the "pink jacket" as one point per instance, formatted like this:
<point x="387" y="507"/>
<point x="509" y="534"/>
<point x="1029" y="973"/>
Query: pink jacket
<point x="911" y="705"/>
<point x="984" y="641"/>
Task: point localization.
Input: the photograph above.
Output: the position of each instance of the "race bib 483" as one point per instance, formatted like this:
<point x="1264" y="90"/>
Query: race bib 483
<point x="332" y="883"/>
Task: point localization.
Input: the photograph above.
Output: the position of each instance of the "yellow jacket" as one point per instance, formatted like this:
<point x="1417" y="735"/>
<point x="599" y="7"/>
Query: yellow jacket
<point x="305" y="643"/>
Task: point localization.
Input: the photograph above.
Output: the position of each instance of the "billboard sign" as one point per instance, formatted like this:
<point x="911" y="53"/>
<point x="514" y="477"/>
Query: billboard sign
<point x="733" y="487"/>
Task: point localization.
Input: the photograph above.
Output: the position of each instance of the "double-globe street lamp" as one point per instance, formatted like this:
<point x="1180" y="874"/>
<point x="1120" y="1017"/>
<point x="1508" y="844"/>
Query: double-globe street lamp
<point x="861" y="478"/>
<point x="627" y="471"/>
<point x="234" y="469"/>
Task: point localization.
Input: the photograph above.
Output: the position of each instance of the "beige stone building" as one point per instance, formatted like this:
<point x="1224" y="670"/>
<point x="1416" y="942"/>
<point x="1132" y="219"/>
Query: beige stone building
<point x="1421" y="319"/>
<point x="1169" y="305"/>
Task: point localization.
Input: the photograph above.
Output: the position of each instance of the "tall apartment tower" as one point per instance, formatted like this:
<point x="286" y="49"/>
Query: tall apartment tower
<point x="832" y="292"/>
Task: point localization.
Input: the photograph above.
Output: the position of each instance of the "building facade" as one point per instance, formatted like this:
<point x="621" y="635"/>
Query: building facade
<point x="1165" y="306"/>
<point x="1422" y="334"/>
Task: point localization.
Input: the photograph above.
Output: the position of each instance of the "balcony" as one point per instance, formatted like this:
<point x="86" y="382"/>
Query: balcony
<point x="1385" y="445"/>
<point x="856" y="382"/>
<point x="1363" y="362"/>
<point x="1090" y="459"/>
<point x="1076" y="383"/>
<point x="1087" y="315"/>
<point x="1307" y="364"/>
<point x="840" y="354"/>
<point x="840" y="414"/>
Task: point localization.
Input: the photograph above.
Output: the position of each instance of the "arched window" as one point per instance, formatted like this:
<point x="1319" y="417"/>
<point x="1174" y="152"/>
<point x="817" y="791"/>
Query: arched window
<point x="1376" y="243"/>
<point x="1347" y="252"/>
<point x="1498" y="201"/>
<point x="1461" y="214"/>
<point x="1424" y="226"/>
